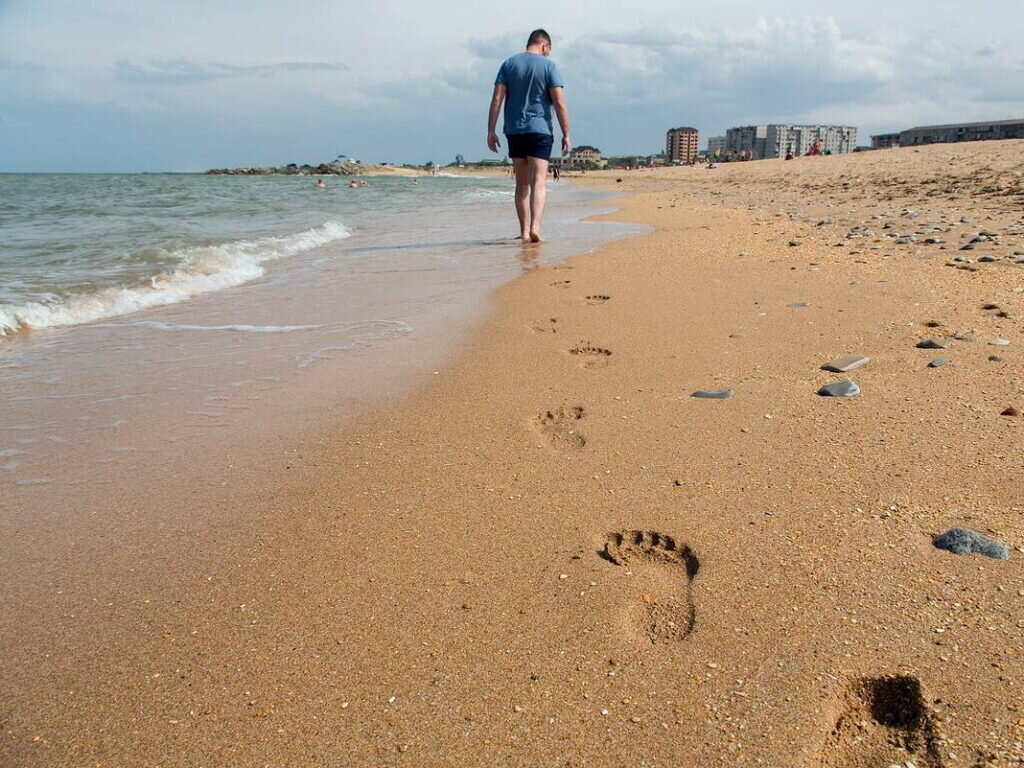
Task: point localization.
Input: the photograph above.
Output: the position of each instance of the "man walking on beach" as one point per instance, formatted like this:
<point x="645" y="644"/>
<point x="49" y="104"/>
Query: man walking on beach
<point x="529" y="84"/>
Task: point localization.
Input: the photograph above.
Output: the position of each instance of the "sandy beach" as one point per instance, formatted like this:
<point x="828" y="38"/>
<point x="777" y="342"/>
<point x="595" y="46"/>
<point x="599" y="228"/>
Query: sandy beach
<point x="551" y="554"/>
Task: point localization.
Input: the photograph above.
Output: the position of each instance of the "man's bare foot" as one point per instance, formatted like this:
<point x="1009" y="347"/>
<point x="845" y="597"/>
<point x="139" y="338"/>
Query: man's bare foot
<point x="535" y="237"/>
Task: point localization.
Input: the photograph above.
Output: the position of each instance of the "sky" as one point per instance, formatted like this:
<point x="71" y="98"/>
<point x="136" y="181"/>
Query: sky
<point x="138" y="85"/>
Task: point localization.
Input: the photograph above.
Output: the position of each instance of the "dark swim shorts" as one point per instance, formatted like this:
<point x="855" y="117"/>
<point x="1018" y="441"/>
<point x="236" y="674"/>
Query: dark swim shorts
<point x="530" y="145"/>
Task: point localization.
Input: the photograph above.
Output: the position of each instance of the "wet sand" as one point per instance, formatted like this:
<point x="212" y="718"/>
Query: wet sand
<point x="552" y="554"/>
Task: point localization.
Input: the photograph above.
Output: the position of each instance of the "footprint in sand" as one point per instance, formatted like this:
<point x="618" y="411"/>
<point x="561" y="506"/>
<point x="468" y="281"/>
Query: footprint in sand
<point x="539" y="326"/>
<point x="882" y="721"/>
<point x="561" y="427"/>
<point x="561" y="283"/>
<point x="597" y="298"/>
<point x="665" y="610"/>
<point x="591" y="356"/>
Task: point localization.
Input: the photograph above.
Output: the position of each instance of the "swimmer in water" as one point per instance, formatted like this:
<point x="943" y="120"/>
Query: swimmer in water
<point x="320" y="184"/>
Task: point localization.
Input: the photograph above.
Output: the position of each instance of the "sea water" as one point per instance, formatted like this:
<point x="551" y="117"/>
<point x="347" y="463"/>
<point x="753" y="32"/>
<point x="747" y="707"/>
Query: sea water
<point x="148" y="317"/>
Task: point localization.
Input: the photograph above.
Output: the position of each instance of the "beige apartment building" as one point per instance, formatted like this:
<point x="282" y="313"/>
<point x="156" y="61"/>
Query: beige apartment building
<point x="681" y="144"/>
<point x="584" y="156"/>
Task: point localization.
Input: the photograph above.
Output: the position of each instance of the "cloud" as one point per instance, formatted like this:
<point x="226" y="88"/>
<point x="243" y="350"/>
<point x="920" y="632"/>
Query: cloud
<point x="9" y="65"/>
<point x="418" y="87"/>
<point x="185" y="72"/>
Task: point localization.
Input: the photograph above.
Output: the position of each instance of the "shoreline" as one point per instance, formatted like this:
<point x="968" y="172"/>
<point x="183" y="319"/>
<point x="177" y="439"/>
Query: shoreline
<point x="453" y="580"/>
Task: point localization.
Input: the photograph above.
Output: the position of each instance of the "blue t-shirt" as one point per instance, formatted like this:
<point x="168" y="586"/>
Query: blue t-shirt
<point x="527" y="78"/>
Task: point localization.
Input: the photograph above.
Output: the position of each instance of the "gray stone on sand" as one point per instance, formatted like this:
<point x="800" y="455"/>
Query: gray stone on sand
<point x="794" y="243"/>
<point x="799" y="304"/>
<point x="934" y="344"/>
<point x="938" y="362"/>
<point x="845" y="363"/>
<point x="1000" y="342"/>
<point x="841" y="388"/>
<point x="987" y="259"/>
<point x="963" y="541"/>
<point x="712" y="394"/>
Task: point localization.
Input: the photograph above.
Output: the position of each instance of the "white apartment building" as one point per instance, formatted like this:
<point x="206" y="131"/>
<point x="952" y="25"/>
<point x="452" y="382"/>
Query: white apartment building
<point x="716" y="144"/>
<point x="835" y="139"/>
<point x="777" y="139"/>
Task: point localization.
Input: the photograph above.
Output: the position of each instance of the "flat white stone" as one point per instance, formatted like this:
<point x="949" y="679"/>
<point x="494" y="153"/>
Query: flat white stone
<point x="845" y="363"/>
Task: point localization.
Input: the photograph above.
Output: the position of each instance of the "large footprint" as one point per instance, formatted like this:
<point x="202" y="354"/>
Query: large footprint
<point x="883" y="721"/>
<point x="591" y="356"/>
<point x="668" y="611"/>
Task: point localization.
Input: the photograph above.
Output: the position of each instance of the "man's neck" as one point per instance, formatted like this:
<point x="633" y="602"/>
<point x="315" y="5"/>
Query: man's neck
<point x="537" y="49"/>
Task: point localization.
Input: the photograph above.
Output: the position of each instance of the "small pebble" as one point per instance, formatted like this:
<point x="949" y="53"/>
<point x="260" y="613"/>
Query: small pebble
<point x="712" y="394"/>
<point x="841" y="388"/>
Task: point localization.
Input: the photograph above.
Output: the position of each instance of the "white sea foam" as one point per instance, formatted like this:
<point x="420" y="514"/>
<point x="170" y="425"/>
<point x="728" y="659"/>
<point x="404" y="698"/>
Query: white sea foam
<point x="490" y="194"/>
<point x="203" y="270"/>
<point x="359" y="334"/>
<point x="238" y="328"/>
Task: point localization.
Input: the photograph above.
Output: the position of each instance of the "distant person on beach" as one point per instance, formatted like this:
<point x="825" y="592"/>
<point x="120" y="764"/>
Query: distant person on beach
<point x="320" y="184"/>
<point x="529" y="85"/>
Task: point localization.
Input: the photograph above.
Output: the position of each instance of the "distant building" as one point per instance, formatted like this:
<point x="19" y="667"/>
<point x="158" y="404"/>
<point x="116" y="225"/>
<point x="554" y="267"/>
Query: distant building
<point x="584" y="157"/>
<point x="747" y="138"/>
<point x="778" y="139"/>
<point x="681" y="144"/>
<point x="835" y="139"/>
<point x="942" y="134"/>
<point x="716" y="144"/>
<point x="631" y="161"/>
<point x="885" y="140"/>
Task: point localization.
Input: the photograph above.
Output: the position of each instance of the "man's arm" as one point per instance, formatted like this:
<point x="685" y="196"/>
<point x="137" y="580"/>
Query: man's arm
<point x="492" y="116"/>
<point x="562" y="113"/>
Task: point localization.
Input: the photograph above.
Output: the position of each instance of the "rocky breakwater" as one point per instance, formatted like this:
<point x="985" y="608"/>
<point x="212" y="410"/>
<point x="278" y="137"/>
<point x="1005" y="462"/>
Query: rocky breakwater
<point x="324" y="169"/>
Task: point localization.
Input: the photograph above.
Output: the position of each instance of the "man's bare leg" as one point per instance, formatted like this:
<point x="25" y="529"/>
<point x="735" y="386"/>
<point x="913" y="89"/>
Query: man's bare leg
<point x="538" y="173"/>
<point x="522" y="170"/>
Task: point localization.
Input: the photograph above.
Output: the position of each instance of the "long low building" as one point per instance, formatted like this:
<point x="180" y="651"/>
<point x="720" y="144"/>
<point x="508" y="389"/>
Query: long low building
<point x="951" y="133"/>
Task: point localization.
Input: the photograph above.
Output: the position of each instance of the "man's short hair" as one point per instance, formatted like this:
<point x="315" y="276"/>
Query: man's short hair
<point x="537" y="37"/>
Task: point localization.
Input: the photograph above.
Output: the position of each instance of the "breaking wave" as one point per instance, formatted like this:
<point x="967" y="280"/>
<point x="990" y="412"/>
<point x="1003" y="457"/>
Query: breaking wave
<point x="202" y="269"/>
